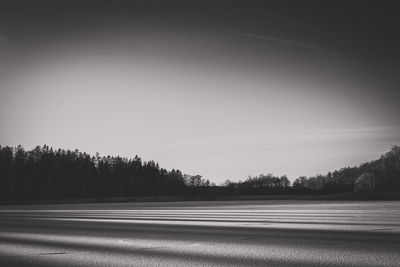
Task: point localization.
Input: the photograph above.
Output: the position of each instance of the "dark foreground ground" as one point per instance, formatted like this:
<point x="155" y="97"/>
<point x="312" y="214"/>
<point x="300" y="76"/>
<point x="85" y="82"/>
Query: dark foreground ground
<point x="219" y="233"/>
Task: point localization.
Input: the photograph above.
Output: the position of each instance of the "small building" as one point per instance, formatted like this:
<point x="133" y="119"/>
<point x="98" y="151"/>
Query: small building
<point x="365" y="183"/>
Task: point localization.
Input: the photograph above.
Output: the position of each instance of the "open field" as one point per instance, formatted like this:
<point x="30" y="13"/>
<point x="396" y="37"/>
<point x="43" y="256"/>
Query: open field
<point x="218" y="233"/>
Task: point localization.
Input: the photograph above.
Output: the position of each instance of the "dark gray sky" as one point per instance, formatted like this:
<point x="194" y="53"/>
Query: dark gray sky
<point x="225" y="89"/>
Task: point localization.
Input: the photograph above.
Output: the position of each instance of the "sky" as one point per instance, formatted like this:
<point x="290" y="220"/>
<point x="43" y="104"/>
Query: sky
<point x="224" y="90"/>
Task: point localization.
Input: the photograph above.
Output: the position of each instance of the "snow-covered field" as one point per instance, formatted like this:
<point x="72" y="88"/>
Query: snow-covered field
<point x="218" y="233"/>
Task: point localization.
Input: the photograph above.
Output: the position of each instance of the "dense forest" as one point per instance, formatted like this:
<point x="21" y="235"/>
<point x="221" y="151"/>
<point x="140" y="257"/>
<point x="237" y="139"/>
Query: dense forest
<point x="44" y="173"/>
<point x="47" y="174"/>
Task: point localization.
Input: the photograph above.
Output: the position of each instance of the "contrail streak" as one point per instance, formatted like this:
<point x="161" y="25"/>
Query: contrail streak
<point x="280" y="40"/>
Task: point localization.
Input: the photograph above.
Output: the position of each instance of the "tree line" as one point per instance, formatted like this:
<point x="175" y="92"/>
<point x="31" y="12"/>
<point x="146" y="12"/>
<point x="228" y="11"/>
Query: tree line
<point x="384" y="173"/>
<point x="47" y="174"/>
